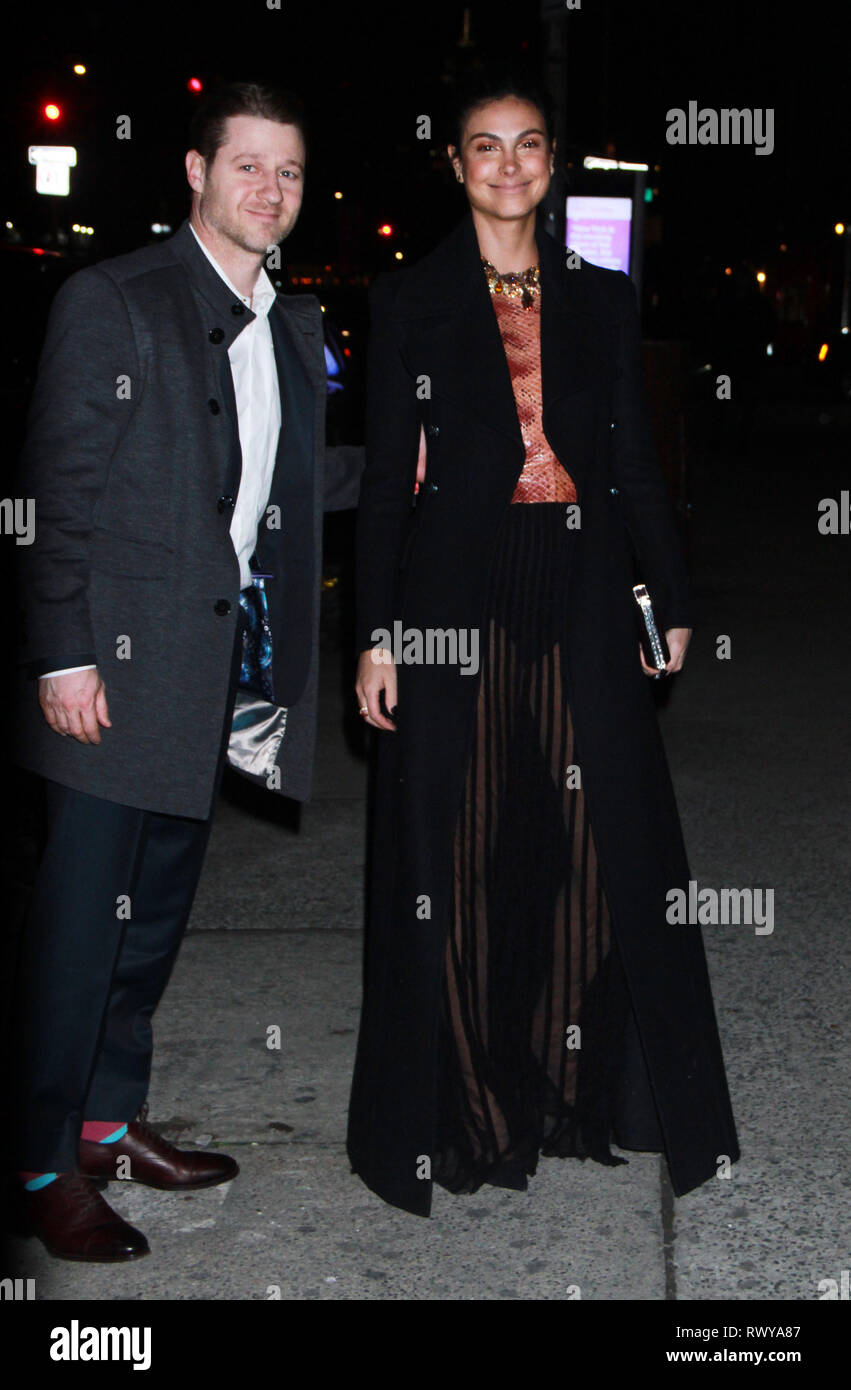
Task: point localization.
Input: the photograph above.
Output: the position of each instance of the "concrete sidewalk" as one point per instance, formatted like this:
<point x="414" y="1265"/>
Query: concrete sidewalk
<point x="759" y="749"/>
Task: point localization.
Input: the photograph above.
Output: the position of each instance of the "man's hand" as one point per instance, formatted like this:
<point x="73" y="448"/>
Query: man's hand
<point x="373" y="676"/>
<point x="678" y="639"/>
<point x="75" y="704"/>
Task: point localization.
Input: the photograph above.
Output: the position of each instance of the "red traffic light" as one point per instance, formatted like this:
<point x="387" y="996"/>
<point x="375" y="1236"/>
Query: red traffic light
<point x="51" y="111"/>
<point x="195" y="84"/>
<point x="385" y="229"/>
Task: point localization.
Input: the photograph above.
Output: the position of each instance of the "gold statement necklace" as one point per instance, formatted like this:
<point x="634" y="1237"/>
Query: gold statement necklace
<point x="524" y="286"/>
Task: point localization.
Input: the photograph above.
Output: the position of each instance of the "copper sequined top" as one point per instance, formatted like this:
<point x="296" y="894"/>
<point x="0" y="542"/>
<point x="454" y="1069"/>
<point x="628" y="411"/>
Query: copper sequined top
<point x="543" y="478"/>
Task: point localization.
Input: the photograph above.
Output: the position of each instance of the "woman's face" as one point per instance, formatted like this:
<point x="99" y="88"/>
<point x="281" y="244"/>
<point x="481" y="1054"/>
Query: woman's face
<point x="505" y="161"/>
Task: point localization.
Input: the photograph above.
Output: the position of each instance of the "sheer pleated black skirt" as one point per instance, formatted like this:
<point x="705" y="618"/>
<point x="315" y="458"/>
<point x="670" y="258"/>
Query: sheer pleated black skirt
<point x="534" y="999"/>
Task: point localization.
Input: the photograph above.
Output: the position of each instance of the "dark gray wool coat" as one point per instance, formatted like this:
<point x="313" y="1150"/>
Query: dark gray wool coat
<point x="430" y="568"/>
<point x="133" y="460"/>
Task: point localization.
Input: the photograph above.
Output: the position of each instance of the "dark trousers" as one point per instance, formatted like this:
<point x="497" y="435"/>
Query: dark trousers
<point x="110" y="902"/>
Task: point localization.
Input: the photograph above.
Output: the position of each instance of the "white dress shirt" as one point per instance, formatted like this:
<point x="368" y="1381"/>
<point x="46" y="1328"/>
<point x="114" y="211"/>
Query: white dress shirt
<point x="258" y="406"/>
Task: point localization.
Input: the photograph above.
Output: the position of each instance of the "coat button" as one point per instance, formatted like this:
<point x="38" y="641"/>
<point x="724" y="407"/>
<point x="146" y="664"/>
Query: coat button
<point x="612" y="425"/>
<point x="214" y="407"/>
<point x="224" y="502"/>
<point x="217" y="335"/>
<point x="221" y="607"/>
<point x="237" y="309"/>
<point x="614" y="491"/>
<point x="433" y="430"/>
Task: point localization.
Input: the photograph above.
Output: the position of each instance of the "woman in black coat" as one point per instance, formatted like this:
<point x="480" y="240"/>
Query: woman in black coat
<point x="525" y="992"/>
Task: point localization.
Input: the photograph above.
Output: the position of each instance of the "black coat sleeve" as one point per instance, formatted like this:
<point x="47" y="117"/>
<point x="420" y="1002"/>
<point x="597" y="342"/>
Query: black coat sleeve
<point x="637" y="473"/>
<point x="75" y="423"/>
<point x="387" y="487"/>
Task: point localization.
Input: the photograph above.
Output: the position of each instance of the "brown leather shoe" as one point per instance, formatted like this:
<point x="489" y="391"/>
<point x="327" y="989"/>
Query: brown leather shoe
<point x="75" y="1223"/>
<point x="155" y="1161"/>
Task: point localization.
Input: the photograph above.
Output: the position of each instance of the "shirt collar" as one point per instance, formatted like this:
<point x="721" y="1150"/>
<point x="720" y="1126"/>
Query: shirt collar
<point x="264" y="291"/>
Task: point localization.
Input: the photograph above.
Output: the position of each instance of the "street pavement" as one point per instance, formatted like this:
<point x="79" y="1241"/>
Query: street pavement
<point x="758" y="746"/>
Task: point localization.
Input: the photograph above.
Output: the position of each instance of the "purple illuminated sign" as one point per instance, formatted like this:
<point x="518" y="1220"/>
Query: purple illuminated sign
<point x="598" y="228"/>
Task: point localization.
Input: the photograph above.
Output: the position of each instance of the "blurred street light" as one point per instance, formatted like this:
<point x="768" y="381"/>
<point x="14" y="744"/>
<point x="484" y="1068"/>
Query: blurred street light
<point x="52" y="167"/>
<point x="52" y="111"/>
<point x="80" y="69"/>
<point x="597" y="161"/>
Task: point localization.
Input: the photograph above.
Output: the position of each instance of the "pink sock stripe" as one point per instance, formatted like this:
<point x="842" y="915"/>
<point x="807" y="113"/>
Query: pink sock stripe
<point x="99" y="1130"/>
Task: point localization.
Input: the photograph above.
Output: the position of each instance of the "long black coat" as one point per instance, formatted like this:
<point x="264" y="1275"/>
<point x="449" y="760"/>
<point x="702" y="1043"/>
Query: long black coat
<point x="437" y="358"/>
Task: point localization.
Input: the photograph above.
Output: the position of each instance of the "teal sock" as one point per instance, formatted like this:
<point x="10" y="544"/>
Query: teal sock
<point x="35" y="1181"/>
<point x="115" y="1136"/>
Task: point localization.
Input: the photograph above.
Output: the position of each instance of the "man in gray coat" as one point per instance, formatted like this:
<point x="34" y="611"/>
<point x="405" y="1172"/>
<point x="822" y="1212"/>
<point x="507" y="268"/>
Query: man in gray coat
<point x="176" y="454"/>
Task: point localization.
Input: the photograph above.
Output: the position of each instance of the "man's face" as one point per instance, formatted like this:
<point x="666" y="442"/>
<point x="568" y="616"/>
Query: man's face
<point x="251" y="191"/>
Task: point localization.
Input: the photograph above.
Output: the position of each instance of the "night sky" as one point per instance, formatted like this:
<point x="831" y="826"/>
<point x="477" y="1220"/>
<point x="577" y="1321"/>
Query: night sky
<point x="366" y="72"/>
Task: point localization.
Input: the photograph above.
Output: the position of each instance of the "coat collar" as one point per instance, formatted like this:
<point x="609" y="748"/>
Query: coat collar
<point x="296" y="326"/>
<point x="448" y="278"/>
<point x="295" y="320"/>
<point x="450" y="330"/>
<point x="298" y="313"/>
<point x="227" y="309"/>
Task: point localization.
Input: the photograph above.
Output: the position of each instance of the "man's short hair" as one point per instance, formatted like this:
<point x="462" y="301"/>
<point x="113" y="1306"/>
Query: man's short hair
<point x="208" y="128"/>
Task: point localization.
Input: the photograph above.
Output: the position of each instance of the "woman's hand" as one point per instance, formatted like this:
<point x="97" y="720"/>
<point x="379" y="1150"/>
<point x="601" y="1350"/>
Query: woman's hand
<point x="376" y="672"/>
<point x="678" y="639"/>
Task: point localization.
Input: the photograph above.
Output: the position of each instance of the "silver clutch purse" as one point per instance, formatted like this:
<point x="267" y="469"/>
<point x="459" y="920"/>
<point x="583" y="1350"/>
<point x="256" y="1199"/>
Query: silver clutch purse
<point x="655" y="647"/>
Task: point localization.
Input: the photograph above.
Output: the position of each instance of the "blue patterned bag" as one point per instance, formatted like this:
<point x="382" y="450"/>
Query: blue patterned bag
<point x="256" y="673"/>
<point x="258" y="724"/>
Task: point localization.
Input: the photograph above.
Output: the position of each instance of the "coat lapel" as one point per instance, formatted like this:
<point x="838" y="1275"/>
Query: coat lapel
<point x="450" y="332"/>
<point x="223" y="314"/>
<point x="575" y="343"/>
<point x="296" y="335"/>
<point x="296" y="327"/>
